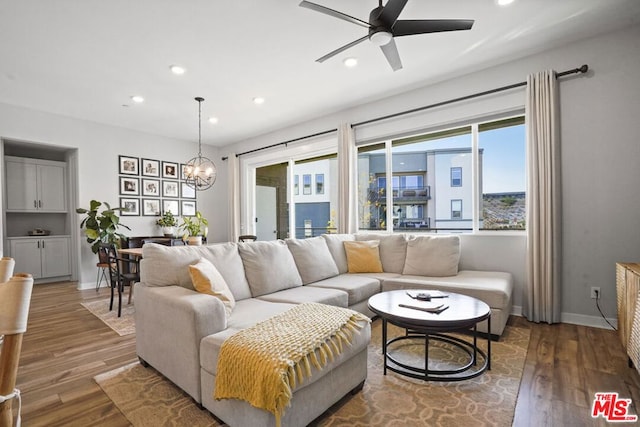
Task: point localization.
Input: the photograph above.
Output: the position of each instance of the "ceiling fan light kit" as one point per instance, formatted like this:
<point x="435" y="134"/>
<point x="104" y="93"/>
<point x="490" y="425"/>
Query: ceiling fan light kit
<point x="384" y="26"/>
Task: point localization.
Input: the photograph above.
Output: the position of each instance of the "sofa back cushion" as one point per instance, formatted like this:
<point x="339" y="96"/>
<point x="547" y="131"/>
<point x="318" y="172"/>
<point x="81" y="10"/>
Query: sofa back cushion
<point x="393" y="250"/>
<point x="336" y="247"/>
<point x="363" y="257"/>
<point x="169" y="265"/>
<point x="313" y="259"/>
<point x="435" y="256"/>
<point x="269" y="267"/>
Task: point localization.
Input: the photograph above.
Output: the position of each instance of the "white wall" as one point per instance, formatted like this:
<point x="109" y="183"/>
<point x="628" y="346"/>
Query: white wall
<point x="97" y="168"/>
<point x="600" y="155"/>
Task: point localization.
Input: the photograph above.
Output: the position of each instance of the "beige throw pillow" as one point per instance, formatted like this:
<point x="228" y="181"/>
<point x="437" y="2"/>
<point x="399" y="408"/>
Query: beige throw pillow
<point x="432" y="256"/>
<point x="363" y="257"/>
<point x="313" y="259"/>
<point x="207" y="280"/>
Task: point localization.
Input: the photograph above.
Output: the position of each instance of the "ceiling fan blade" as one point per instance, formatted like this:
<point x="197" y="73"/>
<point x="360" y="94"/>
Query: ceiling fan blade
<point x="341" y="49"/>
<point x="334" y="13"/>
<point x="424" y="26"/>
<point x="391" y="11"/>
<point x="390" y="51"/>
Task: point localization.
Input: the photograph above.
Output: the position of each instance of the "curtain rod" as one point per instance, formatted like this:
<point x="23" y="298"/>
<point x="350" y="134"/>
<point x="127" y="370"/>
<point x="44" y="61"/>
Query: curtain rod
<point x="284" y="142"/>
<point x="582" y="69"/>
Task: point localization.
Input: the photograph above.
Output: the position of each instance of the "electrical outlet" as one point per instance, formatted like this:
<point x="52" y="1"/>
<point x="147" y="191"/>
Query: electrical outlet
<point x="595" y="292"/>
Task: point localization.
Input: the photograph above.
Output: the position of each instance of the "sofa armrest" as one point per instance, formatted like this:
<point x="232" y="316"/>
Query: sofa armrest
<point x="170" y="323"/>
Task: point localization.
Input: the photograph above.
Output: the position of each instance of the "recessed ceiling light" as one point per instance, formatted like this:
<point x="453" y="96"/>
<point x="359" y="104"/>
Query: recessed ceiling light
<point x="137" y="99"/>
<point x="178" y="70"/>
<point x="213" y="120"/>
<point x="258" y="100"/>
<point x="504" y="2"/>
<point x="350" y="62"/>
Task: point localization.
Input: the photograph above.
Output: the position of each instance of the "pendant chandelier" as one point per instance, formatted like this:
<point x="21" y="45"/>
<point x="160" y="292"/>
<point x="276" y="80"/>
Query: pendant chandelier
<point x="200" y="172"/>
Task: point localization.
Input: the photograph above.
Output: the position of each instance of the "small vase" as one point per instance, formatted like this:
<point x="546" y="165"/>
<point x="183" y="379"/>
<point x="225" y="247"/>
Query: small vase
<point x="195" y="240"/>
<point x="168" y="231"/>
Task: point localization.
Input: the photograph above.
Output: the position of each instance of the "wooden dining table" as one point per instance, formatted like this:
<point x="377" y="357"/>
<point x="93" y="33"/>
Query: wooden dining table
<point x="136" y="252"/>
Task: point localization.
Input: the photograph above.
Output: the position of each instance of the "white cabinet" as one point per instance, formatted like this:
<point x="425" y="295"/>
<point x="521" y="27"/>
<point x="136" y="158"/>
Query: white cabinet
<point x="42" y="257"/>
<point x="34" y="185"/>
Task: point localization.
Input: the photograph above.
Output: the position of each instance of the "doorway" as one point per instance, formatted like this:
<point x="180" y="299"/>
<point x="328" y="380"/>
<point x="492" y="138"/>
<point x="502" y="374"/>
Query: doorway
<point x="272" y="207"/>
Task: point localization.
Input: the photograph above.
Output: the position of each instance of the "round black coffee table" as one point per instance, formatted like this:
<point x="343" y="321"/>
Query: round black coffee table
<point x="458" y="313"/>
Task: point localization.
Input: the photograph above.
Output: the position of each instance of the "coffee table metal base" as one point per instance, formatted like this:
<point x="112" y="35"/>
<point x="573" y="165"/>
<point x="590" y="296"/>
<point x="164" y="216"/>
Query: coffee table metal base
<point x="471" y="349"/>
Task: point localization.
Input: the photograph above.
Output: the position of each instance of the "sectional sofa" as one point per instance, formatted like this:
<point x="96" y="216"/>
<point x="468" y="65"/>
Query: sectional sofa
<point x="180" y="331"/>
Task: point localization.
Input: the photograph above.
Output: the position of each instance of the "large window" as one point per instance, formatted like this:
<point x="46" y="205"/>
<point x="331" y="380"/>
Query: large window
<point x="462" y="179"/>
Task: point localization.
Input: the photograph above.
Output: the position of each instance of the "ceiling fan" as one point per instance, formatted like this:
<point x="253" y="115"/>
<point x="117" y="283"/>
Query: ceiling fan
<point x="384" y="26"/>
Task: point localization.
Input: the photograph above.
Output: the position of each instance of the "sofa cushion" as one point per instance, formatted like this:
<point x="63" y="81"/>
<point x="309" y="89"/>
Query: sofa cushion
<point x="336" y="247"/>
<point x="393" y="250"/>
<point x="169" y="265"/>
<point x="302" y="294"/>
<point x="358" y="287"/>
<point x="269" y="267"/>
<point x="313" y="259"/>
<point x="363" y="257"/>
<point x="492" y="287"/>
<point x="207" y="280"/>
<point x="434" y="256"/>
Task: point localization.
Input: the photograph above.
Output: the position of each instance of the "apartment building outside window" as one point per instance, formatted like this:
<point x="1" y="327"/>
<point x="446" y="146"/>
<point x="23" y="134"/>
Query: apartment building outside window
<point x="464" y="179"/>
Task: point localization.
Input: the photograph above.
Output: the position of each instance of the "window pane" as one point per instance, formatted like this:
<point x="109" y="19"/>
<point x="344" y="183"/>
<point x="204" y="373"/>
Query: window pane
<point x="319" y="183"/>
<point x="296" y="184"/>
<point x="315" y="213"/>
<point x="306" y="184"/>
<point x="456" y="209"/>
<point x="372" y="201"/>
<point x="503" y="183"/>
<point x="429" y="172"/>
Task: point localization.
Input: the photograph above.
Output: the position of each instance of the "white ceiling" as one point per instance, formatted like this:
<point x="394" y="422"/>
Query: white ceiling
<point x="86" y="58"/>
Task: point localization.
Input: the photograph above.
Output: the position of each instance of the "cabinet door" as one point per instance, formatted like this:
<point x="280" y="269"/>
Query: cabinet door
<point x="51" y="188"/>
<point x="26" y="253"/>
<point x="21" y="186"/>
<point x="55" y="257"/>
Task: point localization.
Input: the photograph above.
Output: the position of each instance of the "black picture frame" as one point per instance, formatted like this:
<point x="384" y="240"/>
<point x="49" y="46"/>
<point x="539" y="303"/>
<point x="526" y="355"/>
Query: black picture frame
<point x="151" y="187"/>
<point x="150" y="167"/>
<point x="151" y="207"/>
<point x="183" y="176"/>
<point x="170" y="170"/>
<point x="171" y="205"/>
<point x="170" y="188"/>
<point x="188" y="207"/>
<point x="129" y="186"/>
<point x="128" y="165"/>
<point x="187" y="192"/>
<point x="131" y="206"/>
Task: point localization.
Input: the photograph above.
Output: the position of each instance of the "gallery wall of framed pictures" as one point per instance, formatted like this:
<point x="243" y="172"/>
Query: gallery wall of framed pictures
<point x="151" y="187"/>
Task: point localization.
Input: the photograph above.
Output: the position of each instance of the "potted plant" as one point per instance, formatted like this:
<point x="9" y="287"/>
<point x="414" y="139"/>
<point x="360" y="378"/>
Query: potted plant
<point x="101" y="227"/>
<point x="194" y="228"/>
<point x="168" y="223"/>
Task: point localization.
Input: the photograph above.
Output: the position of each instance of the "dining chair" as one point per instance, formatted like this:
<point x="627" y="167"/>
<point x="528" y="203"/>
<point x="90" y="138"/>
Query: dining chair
<point x="119" y="277"/>
<point x="15" y="299"/>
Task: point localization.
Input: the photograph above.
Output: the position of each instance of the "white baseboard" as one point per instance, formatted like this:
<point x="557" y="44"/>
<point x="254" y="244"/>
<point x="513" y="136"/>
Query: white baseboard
<point x="576" y="319"/>
<point x="87" y="285"/>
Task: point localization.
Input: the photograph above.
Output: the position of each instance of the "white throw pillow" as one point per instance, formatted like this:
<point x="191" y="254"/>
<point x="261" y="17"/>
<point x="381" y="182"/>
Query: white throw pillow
<point x="313" y="259"/>
<point x="432" y="256"/>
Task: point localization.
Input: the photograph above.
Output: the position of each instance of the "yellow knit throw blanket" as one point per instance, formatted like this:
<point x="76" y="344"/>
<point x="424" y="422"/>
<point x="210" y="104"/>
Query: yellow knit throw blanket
<point x="263" y="363"/>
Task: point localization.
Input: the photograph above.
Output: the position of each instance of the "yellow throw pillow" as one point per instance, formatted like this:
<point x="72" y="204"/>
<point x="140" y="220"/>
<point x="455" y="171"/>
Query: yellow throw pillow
<point x="363" y="256"/>
<point x="207" y="280"/>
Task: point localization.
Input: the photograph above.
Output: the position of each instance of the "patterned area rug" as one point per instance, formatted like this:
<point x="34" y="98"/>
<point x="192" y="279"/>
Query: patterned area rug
<point x="148" y="399"/>
<point x="123" y="325"/>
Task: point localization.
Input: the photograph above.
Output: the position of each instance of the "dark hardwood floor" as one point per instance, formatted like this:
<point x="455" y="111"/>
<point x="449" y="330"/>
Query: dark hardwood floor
<point x="66" y="346"/>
